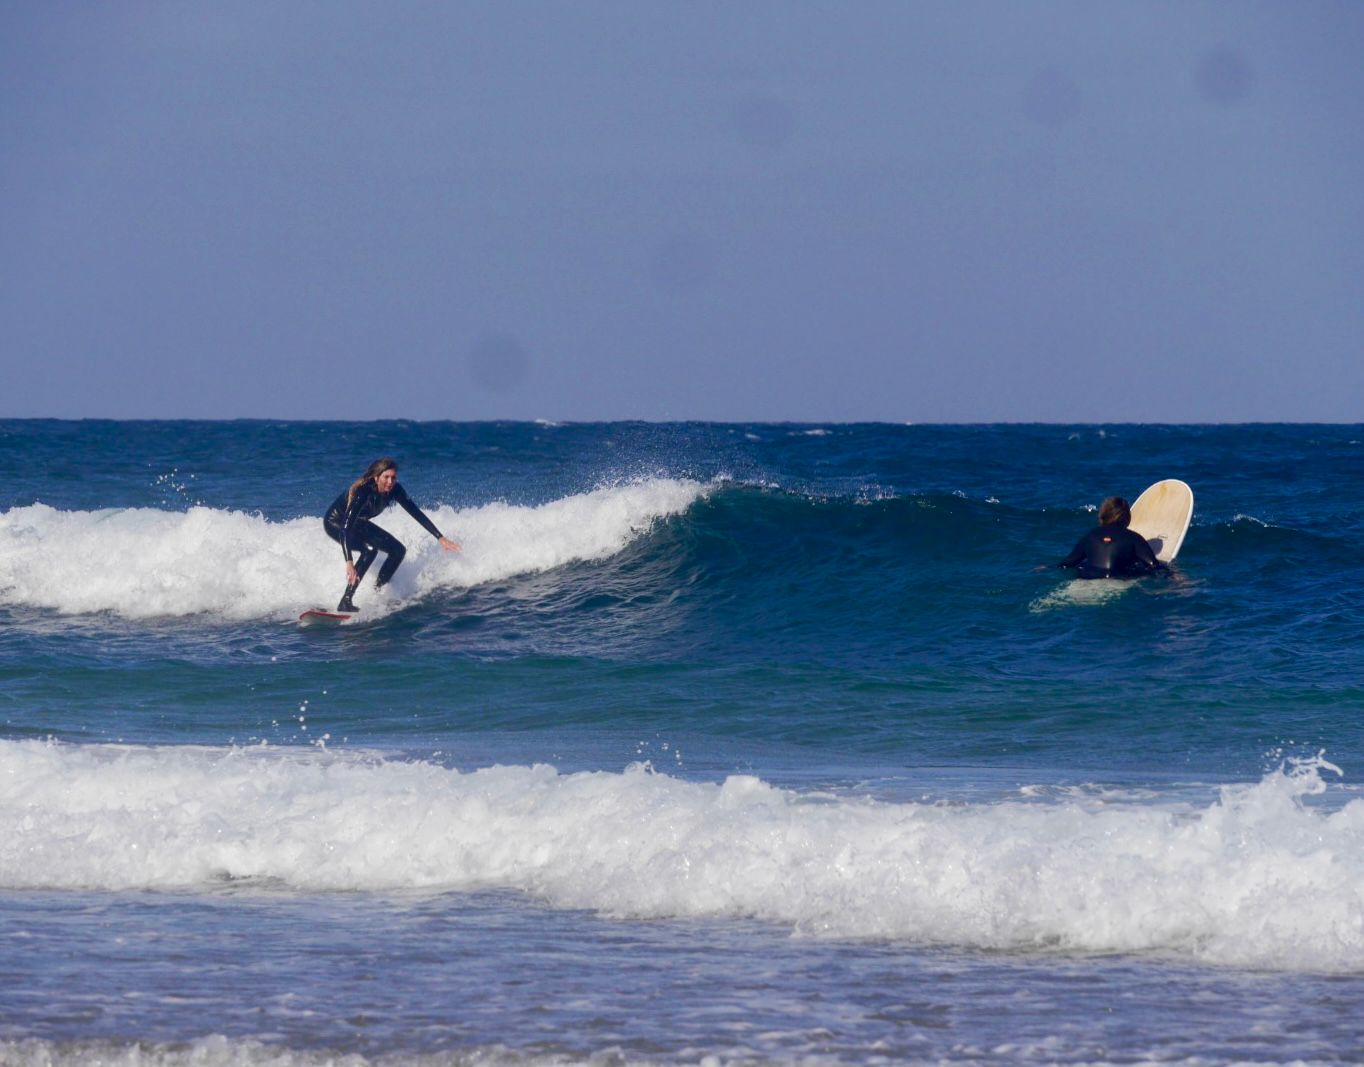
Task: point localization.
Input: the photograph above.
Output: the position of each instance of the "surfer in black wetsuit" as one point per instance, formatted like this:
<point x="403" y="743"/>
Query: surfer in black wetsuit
<point x="347" y="522"/>
<point x="1112" y="550"/>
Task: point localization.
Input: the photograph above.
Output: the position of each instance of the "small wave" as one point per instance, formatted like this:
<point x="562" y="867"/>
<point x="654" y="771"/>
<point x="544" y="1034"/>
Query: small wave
<point x="1257" y="877"/>
<point x="141" y="563"/>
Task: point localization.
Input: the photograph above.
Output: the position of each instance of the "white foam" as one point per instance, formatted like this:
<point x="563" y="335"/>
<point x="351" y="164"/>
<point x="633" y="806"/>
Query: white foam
<point x="220" y="1051"/>
<point x="1255" y="877"/>
<point x="143" y="563"/>
<point x="1081" y="592"/>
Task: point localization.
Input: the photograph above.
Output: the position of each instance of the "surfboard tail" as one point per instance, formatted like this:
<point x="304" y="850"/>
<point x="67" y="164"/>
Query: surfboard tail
<point x="320" y="617"/>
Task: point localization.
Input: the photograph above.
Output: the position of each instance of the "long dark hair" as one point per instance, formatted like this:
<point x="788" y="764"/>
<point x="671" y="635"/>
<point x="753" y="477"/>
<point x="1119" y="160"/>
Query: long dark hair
<point x="384" y="463"/>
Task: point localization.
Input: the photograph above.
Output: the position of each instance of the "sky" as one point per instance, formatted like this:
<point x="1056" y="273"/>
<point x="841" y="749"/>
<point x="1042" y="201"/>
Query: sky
<point x="914" y="211"/>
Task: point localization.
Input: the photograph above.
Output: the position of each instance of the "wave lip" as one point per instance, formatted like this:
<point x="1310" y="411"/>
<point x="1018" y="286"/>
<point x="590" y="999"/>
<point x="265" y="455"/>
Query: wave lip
<point x="142" y="563"/>
<point x="1256" y="878"/>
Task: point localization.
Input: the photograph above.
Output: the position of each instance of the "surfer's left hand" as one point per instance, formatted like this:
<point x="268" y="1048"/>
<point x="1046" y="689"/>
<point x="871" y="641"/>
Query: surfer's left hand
<point x="448" y="545"/>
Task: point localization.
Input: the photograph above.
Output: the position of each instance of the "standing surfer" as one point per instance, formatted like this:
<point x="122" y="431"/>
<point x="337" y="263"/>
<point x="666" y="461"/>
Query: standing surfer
<point x="1112" y="550"/>
<point x="347" y="522"/>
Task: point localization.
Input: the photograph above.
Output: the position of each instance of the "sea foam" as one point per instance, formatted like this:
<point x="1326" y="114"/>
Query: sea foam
<point x="145" y="563"/>
<point x="1257" y="877"/>
<point x="221" y="1051"/>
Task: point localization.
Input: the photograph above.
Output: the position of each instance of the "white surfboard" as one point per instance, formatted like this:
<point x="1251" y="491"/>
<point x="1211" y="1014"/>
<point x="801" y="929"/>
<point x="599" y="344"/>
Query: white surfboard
<point x="1161" y="515"/>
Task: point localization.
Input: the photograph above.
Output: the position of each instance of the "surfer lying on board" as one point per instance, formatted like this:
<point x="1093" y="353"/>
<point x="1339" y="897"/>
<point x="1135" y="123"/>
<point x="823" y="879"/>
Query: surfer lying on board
<point x="1112" y="550"/>
<point x="347" y="522"/>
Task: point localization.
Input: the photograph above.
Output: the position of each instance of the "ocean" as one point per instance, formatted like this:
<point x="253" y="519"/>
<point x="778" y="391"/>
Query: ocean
<point x="715" y="744"/>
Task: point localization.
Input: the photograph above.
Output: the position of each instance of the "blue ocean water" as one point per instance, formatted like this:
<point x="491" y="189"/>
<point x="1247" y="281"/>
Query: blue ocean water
<point x="722" y="743"/>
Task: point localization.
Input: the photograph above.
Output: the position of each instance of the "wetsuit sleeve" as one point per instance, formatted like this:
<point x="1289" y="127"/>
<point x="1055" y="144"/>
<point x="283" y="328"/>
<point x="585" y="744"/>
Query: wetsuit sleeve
<point x="1142" y="550"/>
<point x="400" y="494"/>
<point x="352" y="516"/>
<point x="1077" y="554"/>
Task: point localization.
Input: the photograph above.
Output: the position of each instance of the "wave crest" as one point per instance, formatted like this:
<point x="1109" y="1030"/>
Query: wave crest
<point x="143" y="563"/>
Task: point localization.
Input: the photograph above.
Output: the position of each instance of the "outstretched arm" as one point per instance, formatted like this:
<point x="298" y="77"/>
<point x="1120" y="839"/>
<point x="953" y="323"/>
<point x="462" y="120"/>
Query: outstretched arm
<point x="400" y="494"/>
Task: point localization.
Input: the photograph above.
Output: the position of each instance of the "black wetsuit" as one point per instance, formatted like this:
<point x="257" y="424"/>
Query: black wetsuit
<point x="350" y="526"/>
<point x="1112" y="552"/>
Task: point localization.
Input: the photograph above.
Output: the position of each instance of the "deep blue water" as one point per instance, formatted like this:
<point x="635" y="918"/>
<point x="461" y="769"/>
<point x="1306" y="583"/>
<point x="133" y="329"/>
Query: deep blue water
<point x="760" y="742"/>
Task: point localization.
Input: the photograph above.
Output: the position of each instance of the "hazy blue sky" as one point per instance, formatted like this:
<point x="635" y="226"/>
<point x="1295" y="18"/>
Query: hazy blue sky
<point x="912" y="211"/>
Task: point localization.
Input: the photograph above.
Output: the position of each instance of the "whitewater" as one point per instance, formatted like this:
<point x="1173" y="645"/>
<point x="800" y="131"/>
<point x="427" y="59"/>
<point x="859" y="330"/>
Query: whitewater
<point x="145" y="562"/>
<point x="1254" y="878"/>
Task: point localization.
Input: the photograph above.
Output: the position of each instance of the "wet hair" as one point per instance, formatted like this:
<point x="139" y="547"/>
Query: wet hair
<point x="384" y="463"/>
<point x="1114" y="512"/>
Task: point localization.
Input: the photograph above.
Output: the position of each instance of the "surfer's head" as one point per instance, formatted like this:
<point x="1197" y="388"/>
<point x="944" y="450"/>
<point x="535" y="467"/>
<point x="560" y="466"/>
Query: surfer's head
<point x="1114" y="512"/>
<point x="378" y="474"/>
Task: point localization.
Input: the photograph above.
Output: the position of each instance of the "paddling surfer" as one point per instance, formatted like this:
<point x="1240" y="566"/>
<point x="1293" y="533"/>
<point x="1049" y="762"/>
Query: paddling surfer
<point x="1112" y="550"/>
